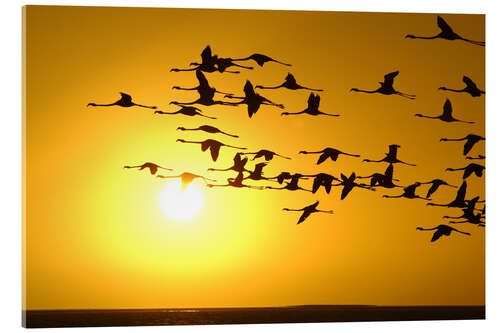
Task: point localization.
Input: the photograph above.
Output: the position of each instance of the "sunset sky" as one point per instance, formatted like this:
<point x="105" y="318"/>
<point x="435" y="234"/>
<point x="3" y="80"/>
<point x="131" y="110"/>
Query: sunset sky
<point x="95" y="234"/>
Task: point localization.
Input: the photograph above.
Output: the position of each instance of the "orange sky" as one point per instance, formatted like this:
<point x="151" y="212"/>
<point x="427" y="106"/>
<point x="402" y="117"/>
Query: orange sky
<point x="95" y="235"/>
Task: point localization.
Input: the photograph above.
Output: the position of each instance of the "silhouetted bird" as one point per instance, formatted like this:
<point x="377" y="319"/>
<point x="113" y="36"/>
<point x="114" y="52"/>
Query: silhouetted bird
<point x="458" y="202"/>
<point x="257" y="174"/>
<point x="260" y="59"/>
<point x="290" y="83"/>
<point x="348" y="184"/>
<point x="325" y="180"/>
<point x="408" y="192"/>
<point x="267" y="154"/>
<point x="238" y="164"/>
<point x="293" y="185"/>
<point x="214" y="146"/>
<point x="476" y="219"/>
<point x="203" y="85"/>
<point x="386" y="87"/>
<point x="308" y="210"/>
<point x="125" y="101"/>
<point x="208" y="63"/>
<point x="285" y="175"/>
<point x="468" y="211"/>
<point x="208" y="129"/>
<point x="253" y="100"/>
<point x="446" y="115"/>
<point x="442" y="230"/>
<point x="446" y="33"/>
<point x="153" y="168"/>
<point x="326" y="153"/>
<point x="224" y="63"/>
<point x="187" y="178"/>
<point x="469" y="169"/>
<point x="470" y="139"/>
<point x="390" y="157"/>
<point x="236" y="182"/>
<point x="312" y="108"/>
<point x="435" y="185"/>
<point x="478" y="157"/>
<point x="470" y="88"/>
<point x="383" y="180"/>
<point x="187" y="111"/>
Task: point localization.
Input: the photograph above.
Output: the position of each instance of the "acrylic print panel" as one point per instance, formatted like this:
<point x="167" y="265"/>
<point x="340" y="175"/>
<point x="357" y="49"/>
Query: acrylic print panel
<point x="193" y="166"/>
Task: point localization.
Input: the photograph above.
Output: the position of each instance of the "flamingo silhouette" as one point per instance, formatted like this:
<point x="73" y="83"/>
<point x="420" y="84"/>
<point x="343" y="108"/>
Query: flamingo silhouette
<point x="236" y="182"/>
<point x="436" y="183"/>
<point x="348" y="184"/>
<point x="312" y="108"/>
<point x="386" y="87"/>
<point x="470" y="139"/>
<point x="252" y="100"/>
<point x="442" y="230"/>
<point x="478" y="157"/>
<point x="408" y="192"/>
<point x="260" y="59"/>
<point x="208" y="129"/>
<point x="325" y="180"/>
<point x="476" y="219"/>
<point x="383" y="180"/>
<point x="293" y="185"/>
<point x="469" y="169"/>
<point x="238" y="164"/>
<point x="446" y="33"/>
<point x="290" y="83"/>
<point x="470" y="88"/>
<point x="187" y="111"/>
<point x="214" y="146"/>
<point x="208" y="63"/>
<point x="187" y="178"/>
<point x="468" y="211"/>
<point x="285" y="175"/>
<point x="326" y="153"/>
<point x="458" y="202"/>
<point x="125" y="101"/>
<point x="391" y="156"/>
<point x="446" y="115"/>
<point x="153" y="168"/>
<point x="224" y="63"/>
<point x="203" y="85"/>
<point x="308" y="210"/>
<point x="267" y="154"/>
<point x="256" y="174"/>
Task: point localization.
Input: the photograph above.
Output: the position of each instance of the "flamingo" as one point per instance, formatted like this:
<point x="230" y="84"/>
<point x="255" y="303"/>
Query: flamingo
<point x="477" y="169"/>
<point x="408" y="192"/>
<point x="290" y="83"/>
<point x="253" y="100"/>
<point x="208" y="63"/>
<point x="326" y="153"/>
<point x="325" y="180"/>
<point x="468" y="211"/>
<point x="348" y="184"/>
<point x="446" y="33"/>
<point x="224" y="63"/>
<point x="208" y="129"/>
<point x="153" y="168"/>
<point x="285" y="175"/>
<point x="236" y="182"/>
<point x="391" y="156"/>
<point x="203" y="85"/>
<point x="214" y="146"/>
<point x="384" y="180"/>
<point x="187" y="178"/>
<point x="458" y="202"/>
<point x="312" y="108"/>
<point x="386" y="87"/>
<point x="308" y="210"/>
<point x="260" y="59"/>
<point x="476" y="219"/>
<point x="256" y="174"/>
<point x="436" y="183"/>
<point x="125" y="101"/>
<point x="470" y="88"/>
<point x="267" y="154"/>
<point x="293" y="185"/>
<point x="187" y="111"/>
<point x="446" y="115"/>
<point x="238" y="164"/>
<point x="470" y="139"/>
<point x="442" y="230"/>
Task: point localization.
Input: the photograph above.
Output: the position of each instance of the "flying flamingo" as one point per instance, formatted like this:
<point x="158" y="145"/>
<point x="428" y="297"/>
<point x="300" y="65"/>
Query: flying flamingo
<point x="308" y="210"/>
<point x="187" y="111"/>
<point x="386" y="87"/>
<point x="446" y="33"/>
<point x="293" y="185"/>
<point x="326" y="153"/>
<point x="470" y="139"/>
<point x="260" y="59"/>
<point x="224" y="63"/>
<point x="408" y="192"/>
<point x="285" y="175"/>
<point x="187" y="178"/>
<point x="435" y="185"/>
<point x="348" y="184"/>
<point x="478" y="157"/>
<point x="458" y="202"/>
<point x="208" y="63"/>
<point x="125" y="101"/>
<point x="468" y="211"/>
<point x="214" y="146"/>
<point x="252" y="100"/>
<point x="208" y="129"/>
<point x="203" y="85"/>
<point x="236" y="182"/>
<point x="442" y="230"/>
<point x="446" y="115"/>
<point x="390" y="157"/>
<point x="256" y="174"/>
<point x="238" y="164"/>
<point x="325" y="180"/>
<point x="290" y="83"/>
<point x="153" y="168"/>
<point x="312" y="108"/>
<point x="477" y="219"/>
<point x="383" y="180"/>
<point x="267" y="154"/>
<point x="469" y="169"/>
<point x="470" y="88"/>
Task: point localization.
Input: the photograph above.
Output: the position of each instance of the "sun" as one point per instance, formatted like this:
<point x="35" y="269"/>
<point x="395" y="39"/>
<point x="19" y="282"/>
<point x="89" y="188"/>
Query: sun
<point x="178" y="204"/>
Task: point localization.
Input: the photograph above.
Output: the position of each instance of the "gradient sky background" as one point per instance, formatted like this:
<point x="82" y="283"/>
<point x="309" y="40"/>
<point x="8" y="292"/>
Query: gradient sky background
<point x="95" y="234"/>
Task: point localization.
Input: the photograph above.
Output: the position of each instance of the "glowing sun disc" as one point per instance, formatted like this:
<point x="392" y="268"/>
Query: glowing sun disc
<point x="178" y="204"/>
